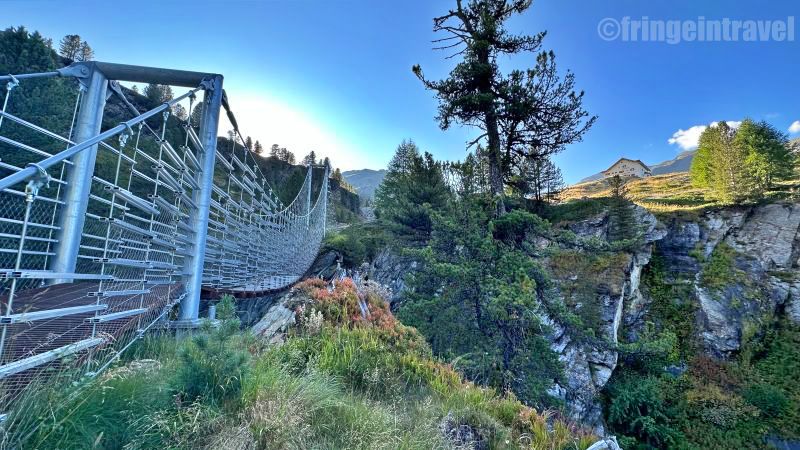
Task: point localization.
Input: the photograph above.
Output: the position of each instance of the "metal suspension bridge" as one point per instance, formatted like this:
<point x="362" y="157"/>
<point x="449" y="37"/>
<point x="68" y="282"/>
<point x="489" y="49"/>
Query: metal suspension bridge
<point x="106" y="228"/>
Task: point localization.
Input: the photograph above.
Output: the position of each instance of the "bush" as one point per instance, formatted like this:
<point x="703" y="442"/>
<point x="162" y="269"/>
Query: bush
<point x="641" y="407"/>
<point x="213" y="363"/>
<point x="767" y="398"/>
<point x="357" y="243"/>
<point x="719" y="271"/>
<point x="517" y="226"/>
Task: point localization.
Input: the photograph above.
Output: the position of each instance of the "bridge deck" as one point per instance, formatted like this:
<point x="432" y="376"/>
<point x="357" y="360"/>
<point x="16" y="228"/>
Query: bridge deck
<point x="26" y="339"/>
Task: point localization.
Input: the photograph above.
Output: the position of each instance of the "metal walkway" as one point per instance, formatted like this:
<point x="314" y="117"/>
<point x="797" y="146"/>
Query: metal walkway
<point x="105" y="227"/>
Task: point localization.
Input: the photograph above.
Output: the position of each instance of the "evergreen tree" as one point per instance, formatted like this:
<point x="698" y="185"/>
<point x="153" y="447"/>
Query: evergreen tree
<point x="739" y="165"/>
<point x="286" y="155"/>
<point x="47" y="102"/>
<point x="70" y="46"/>
<point x="537" y="178"/>
<point x="510" y="110"/>
<point x="413" y="189"/>
<point x="310" y="159"/>
<point x="179" y="111"/>
<point x="197" y="114"/>
<point x="478" y="300"/>
<point x="274" y="150"/>
<point x="248" y="142"/>
<point x="623" y="225"/>
<point x="258" y="149"/>
<point x="157" y="94"/>
<point x="85" y="52"/>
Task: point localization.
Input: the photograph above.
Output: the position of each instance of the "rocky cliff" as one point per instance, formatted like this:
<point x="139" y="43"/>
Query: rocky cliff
<point x="737" y="268"/>
<point x="757" y="251"/>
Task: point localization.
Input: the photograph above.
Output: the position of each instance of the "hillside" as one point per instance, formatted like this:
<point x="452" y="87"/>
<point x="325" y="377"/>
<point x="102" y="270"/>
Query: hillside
<point x="680" y="163"/>
<point x="346" y="375"/>
<point x="365" y="181"/>
<point x="671" y="192"/>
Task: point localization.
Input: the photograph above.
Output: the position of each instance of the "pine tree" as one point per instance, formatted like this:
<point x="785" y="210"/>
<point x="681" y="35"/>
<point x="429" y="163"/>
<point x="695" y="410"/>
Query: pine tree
<point x="623" y="225"/>
<point x="248" y="142"/>
<point x="538" y="178"/>
<point x="310" y="159"/>
<point x="337" y="175"/>
<point x="179" y="111"/>
<point x="47" y="102"/>
<point x="258" y="149"/>
<point x="85" y="52"/>
<point x="508" y="109"/>
<point x="157" y="94"/>
<point x="412" y="190"/>
<point x="70" y="46"/>
<point x="274" y="151"/>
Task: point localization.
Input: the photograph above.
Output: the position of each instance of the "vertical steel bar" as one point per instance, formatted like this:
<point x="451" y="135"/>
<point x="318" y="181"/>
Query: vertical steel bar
<point x="326" y="191"/>
<point x="193" y="266"/>
<point x="79" y="177"/>
<point x="308" y="197"/>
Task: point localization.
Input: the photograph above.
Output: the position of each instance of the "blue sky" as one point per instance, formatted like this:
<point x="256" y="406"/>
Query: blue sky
<point x="335" y="76"/>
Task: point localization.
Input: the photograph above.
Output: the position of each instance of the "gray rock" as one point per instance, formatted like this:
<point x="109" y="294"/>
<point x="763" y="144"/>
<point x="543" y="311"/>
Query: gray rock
<point x="607" y="443"/>
<point x="390" y="270"/>
<point x="768" y="234"/>
<point x="275" y="321"/>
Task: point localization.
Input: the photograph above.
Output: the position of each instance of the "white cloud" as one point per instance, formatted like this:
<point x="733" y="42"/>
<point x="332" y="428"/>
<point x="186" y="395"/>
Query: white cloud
<point x="689" y="138"/>
<point x="794" y="128"/>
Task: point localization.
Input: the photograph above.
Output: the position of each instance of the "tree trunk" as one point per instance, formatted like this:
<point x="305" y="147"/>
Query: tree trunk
<point x="495" y="160"/>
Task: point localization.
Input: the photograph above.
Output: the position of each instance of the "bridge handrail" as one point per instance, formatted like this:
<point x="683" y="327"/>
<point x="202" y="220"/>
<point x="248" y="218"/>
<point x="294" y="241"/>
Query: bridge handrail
<point x="46" y="163"/>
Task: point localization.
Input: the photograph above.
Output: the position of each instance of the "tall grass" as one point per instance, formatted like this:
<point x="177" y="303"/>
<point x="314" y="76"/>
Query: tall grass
<point x="358" y="382"/>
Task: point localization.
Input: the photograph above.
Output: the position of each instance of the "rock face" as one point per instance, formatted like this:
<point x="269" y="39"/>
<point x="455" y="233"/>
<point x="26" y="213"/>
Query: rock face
<point x="765" y="241"/>
<point x="390" y="270"/>
<point x="588" y="366"/>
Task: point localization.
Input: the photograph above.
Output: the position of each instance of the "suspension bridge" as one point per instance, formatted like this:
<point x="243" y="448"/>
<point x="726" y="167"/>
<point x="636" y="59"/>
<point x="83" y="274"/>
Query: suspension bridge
<point x="107" y="228"/>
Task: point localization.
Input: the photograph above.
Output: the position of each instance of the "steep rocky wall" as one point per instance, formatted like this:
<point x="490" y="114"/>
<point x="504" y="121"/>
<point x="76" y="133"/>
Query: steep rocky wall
<point x="765" y="241"/>
<point x="588" y="365"/>
<point x="765" y="285"/>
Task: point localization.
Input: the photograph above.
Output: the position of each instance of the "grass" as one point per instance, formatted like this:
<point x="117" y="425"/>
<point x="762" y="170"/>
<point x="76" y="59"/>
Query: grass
<point x="351" y="380"/>
<point x="661" y="193"/>
<point x="669" y="193"/>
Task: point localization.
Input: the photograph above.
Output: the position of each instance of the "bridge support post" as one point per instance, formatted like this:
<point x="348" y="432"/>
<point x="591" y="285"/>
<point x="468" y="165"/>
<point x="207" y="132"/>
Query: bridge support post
<point x="79" y="176"/>
<point x="308" y="198"/>
<point x="193" y="265"/>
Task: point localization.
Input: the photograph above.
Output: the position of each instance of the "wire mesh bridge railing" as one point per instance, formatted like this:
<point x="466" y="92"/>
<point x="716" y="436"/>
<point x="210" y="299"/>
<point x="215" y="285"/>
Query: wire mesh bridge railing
<point x="105" y="227"/>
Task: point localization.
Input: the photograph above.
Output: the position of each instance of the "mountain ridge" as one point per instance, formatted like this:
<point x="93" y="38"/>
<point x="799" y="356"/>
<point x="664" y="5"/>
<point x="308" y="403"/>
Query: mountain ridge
<point x="365" y="181"/>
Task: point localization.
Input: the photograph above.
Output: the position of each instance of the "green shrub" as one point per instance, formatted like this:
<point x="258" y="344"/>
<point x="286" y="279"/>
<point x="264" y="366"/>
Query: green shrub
<point x="213" y="362"/>
<point x="719" y="271"/>
<point x="357" y="243"/>
<point x="767" y="398"/>
<point x="518" y="225"/>
<point x="643" y="408"/>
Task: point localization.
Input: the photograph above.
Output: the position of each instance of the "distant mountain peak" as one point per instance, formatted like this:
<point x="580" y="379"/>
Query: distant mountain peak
<point x="365" y="181"/>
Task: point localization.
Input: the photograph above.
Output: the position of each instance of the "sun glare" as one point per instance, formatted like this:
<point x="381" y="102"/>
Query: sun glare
<point x="271" y="121"/>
